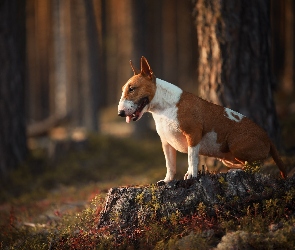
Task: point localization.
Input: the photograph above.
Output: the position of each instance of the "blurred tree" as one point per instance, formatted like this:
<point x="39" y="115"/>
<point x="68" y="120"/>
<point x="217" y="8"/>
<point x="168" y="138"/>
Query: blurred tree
<point x="13" y="147"/>
<point x="39" y="65"/>
<point x="283" y="41"/>
<point x="139" y="42"/>
<point x="100" y="19"/>
<point x="234" y="58"/>
<point x="85" y="61"/>
<point x="78" y="53"/>
<point x="64" y="63"/>
<point x="169" y="40"/>
<point x="119" y="45"/>
<point x="60" y="84"/>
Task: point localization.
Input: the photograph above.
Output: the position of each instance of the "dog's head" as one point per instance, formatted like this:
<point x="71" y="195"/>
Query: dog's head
<point x="137" y="93"/>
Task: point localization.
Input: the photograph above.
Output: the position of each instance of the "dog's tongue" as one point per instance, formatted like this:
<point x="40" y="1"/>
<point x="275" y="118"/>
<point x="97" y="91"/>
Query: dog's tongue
<point x="128" y="118"/>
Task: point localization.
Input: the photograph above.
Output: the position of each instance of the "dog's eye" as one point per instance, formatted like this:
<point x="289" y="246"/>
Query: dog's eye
<point x="131" y="89"/>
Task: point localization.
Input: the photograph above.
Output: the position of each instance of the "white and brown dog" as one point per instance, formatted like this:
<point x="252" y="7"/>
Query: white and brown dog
<point x="192" y="125"/>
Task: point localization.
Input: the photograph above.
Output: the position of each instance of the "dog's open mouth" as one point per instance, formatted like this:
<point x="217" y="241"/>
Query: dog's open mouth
<point x="141" y="104"/>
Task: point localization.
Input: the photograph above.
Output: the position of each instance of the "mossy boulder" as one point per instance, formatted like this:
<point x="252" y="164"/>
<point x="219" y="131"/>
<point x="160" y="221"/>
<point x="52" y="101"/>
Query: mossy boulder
<point x="127" y="208"/>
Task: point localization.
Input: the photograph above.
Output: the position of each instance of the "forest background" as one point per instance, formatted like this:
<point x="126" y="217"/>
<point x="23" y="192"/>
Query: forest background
<point x="78" y="52"/>
<point x="73" y="57"/>
<point x="64" y="63"/>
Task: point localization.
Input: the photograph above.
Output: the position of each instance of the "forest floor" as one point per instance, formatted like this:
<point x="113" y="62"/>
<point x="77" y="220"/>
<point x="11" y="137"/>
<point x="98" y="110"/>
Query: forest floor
<point x="47" y="198"/>
<point x="61" y="189"/>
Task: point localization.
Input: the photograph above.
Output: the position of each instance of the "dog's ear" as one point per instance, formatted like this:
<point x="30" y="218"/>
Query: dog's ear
<point x="146" y="69"/>
<point x="135" y="70"/>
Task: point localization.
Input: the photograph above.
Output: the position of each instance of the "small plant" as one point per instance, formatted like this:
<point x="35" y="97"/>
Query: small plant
<point x="201" y="209"/>
<point x="222" y="181"/>
<point x="174" y="218"/>
<point x="253" y="167"/>
<point x="221" y="198"/>
<point x="290" y="195"/>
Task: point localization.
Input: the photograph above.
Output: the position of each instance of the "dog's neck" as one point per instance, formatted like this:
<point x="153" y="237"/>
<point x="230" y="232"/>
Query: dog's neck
<point x="167" y="95"/>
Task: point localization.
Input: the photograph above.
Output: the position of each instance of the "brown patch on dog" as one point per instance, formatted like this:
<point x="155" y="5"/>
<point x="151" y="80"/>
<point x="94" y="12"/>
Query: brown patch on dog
<point x="239" y="141"/>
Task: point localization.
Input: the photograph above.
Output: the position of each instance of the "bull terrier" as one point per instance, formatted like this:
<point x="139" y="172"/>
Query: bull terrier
<point x="191" y="125"/>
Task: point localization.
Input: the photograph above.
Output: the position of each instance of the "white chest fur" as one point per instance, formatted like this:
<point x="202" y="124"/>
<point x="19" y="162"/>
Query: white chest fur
<point x="164" y="110"/>
<point x="168" y="130"/>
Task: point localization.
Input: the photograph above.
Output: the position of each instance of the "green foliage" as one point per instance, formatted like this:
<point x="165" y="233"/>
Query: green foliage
<point x="253" y="167"/>
<point x="201" y="209"/>
<point x="222" y="181"/>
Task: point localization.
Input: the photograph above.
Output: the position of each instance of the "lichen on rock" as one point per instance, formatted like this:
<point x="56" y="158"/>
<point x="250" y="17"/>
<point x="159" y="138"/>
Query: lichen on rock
<point x="131" y="207"/>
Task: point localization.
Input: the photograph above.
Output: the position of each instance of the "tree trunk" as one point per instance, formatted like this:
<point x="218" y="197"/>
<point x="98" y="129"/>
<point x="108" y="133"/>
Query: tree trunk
<point x="289" y="42"/>
<point x="169" y="41"/>
<point x="283" y="42"/>
<point x="186" y="49"/>
<point x="139" y="41"/>
<point x="13" y="147"/>
<point x="38" y="21"/>
<point x="94" y="52"/>
<point x="234" y="63"/>
<point x="100" y="19"/>
<point x="84" y="96"/>
<point x="61" y="79"/>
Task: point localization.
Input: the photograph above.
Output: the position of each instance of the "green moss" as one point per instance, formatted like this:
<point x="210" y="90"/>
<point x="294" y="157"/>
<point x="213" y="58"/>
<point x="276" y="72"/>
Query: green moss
<point x="221" y="198"/>
<point x="290" y="195"/>
<point x="222" y="181"/>
<point x="253" y="167"/>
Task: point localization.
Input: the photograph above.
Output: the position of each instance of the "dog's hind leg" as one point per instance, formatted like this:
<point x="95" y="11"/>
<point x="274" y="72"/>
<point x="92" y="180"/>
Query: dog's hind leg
<point x="249" y="149"/>
<point x="231" y="164"/>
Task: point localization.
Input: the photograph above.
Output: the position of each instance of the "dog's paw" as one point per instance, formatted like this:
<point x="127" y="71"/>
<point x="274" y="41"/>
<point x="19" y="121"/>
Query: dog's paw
<point x="161" y="183"/>
<point x="187" y="176"/>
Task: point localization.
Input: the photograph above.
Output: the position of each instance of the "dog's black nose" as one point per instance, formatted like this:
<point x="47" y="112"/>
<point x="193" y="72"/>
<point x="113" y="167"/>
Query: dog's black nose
<point x="121" y="113"/>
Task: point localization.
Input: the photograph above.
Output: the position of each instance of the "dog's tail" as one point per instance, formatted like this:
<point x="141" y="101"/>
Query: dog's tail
<point x="275" y="155"/>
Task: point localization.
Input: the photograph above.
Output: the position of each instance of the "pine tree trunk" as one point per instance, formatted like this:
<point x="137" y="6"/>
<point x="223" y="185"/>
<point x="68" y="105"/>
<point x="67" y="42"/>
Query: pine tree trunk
<point x="289" y="42"/>
<point x="13" y="147"/>
<point x="84" y="93"/>
<point x="62" y="60"/>
<point x="139" y="48"/>
<point x="169" y="41"/>
<point x="234" y="58"/>
<point x="39" y="37"/>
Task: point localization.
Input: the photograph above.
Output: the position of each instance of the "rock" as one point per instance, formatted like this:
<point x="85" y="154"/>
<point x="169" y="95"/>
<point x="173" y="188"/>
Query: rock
<point x="132" y="207"/>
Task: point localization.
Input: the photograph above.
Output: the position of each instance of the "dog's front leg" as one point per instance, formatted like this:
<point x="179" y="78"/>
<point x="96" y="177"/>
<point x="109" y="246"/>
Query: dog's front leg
<point x="193" y="161"/>
<point x="170" y="156"/>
